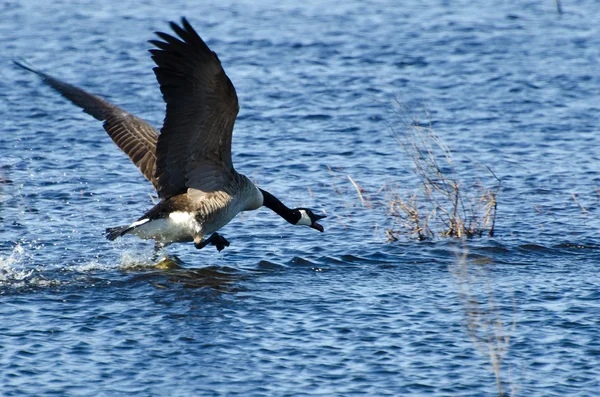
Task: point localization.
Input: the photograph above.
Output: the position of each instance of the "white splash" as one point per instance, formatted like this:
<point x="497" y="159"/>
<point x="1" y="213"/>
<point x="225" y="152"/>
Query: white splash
<point x="10" y="266"/>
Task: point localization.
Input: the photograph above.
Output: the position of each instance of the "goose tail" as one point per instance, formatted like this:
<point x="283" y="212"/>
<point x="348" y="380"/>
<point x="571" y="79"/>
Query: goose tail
<point x="113" y="232"/>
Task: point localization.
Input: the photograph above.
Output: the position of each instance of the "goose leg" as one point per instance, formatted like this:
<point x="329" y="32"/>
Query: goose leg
<point x="219" y="241"/>
<point x="215" y="239"/>
<point x="157" y="248"/>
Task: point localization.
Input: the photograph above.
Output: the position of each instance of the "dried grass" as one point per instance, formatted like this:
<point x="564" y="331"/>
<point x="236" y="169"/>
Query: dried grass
<point x="446" y="204"/>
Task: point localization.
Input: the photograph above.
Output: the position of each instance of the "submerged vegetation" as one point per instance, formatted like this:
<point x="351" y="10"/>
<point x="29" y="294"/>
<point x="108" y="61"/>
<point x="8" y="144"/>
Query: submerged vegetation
<point x="447" y="202"/>
<point x="453" y="201"/>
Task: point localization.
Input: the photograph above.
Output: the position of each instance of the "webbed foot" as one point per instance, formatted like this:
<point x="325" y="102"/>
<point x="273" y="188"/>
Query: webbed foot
<point x="219" y="241"/>
<point x="215" y="239"/>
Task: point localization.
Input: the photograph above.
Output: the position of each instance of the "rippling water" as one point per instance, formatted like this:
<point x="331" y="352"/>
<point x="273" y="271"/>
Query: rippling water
<point x="293" y="312"/>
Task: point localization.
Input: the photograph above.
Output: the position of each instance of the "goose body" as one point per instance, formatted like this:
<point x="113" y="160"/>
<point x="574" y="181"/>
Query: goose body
<point x="185" y="218"/>
<point x="189" y="161"/>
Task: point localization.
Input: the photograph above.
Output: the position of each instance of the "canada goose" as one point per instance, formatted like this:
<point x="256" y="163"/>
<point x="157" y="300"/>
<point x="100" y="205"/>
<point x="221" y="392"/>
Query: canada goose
<point x="189" y="162"/>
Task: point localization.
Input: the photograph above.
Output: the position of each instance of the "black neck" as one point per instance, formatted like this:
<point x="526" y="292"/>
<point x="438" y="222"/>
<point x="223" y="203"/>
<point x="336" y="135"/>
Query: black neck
<point x="279" y="208"/>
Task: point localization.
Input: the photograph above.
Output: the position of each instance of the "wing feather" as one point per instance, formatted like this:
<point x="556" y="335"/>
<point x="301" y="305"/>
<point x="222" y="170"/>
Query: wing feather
<point x="194" y="148"/>
<point x="132" y="135"/>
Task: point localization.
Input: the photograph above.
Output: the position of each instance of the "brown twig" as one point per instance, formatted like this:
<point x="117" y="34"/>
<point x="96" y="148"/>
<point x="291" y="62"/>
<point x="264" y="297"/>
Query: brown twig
<point x="463" y="210"/>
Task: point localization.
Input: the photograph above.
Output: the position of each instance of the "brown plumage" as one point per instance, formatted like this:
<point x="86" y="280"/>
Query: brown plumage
<point x="132" y="135"/>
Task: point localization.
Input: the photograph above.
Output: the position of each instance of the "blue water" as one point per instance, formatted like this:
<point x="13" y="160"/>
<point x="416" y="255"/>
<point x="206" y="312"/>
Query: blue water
<point x="287" y="311"/>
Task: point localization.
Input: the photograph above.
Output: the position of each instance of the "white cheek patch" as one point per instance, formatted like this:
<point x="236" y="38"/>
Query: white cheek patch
<point x="304" y="219"/>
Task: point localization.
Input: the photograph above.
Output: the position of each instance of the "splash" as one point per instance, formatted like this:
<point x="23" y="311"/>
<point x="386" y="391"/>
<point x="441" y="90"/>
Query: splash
<point x="131" y="260"/>
<point x="12" y="267"/>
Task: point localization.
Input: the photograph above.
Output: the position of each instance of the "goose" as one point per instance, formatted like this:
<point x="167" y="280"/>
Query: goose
<point x="189" y="162"/>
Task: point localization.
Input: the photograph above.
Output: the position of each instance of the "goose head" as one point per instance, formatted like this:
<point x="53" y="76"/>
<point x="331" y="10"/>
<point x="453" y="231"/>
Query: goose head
<point x="308" y="218"/>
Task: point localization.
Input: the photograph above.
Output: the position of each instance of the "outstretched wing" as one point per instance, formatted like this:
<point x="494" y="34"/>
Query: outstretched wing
<point x="194" y="146"/>
<point x="132" y="135"/>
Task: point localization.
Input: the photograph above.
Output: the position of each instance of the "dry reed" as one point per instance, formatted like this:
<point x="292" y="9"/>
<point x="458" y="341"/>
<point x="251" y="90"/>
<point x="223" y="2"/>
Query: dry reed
<point x="446" y="203"/>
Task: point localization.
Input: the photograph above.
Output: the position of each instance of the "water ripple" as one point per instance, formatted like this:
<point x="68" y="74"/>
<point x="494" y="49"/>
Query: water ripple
<point x="285" y="311"/>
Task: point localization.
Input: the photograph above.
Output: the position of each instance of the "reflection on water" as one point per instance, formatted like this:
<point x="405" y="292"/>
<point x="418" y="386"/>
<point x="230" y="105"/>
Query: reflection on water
<point x="485" y="317"/>
<point x="170" y="271"/>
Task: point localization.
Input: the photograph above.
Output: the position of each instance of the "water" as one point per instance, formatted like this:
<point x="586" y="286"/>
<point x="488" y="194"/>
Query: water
<point x="284" y="310"/>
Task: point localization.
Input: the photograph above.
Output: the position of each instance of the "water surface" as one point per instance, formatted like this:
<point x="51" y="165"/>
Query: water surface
<point x="285" y="310"/>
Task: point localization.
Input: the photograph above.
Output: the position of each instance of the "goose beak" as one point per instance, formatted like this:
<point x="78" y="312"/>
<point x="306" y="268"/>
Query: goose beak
<point x="315" y="225"/>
